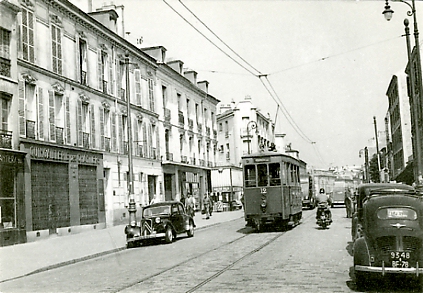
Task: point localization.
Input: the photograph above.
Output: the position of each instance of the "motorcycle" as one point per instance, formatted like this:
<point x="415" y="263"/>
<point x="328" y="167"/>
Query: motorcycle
<point x="323" y="215"/>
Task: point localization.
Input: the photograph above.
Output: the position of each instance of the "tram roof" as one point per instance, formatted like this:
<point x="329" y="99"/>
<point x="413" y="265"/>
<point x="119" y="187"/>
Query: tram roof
<point x="272" y="154"/>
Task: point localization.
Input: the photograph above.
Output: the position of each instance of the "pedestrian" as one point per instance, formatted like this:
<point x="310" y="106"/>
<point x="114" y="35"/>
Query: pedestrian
<point x="190" y="206"/>
<point x="211" y="205"/>
<point x="348" y="201"/>
<point x="183" y="200"/>
<point x="206" y="202"/>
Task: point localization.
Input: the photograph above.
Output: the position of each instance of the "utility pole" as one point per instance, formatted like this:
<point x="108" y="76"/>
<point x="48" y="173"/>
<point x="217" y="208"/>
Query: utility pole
<point x="377" y="149"/>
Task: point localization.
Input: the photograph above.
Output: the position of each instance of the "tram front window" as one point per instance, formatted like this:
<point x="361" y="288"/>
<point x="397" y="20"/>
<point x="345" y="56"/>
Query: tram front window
<point x="262" y="174"/>
<point x="275" y="174"/>
<point x="250" y="175"/>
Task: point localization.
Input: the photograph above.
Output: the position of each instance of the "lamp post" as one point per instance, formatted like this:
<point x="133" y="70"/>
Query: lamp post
<point x="253" y="125"/>
<point x="366" y="164"/>
<point x="416" y="89"/>
<point x="132" y="210"/>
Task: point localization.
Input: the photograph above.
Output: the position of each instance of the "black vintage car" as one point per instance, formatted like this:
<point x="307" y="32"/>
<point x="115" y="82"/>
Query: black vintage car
<point x="164" y="220"/>
<point x="388" y="232"/>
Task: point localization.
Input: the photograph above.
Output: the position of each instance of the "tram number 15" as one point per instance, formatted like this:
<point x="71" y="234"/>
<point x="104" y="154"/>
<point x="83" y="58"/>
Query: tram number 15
<point x="263" y="190"/>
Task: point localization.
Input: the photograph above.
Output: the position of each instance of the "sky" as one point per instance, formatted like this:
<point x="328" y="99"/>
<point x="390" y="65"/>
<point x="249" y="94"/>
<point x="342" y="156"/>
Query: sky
<point x="329" y="62"/>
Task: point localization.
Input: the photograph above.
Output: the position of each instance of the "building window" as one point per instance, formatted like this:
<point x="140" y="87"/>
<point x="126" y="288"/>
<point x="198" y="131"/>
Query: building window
<point x="151" y="95"/>
<point x="102" y="70"/>
<point x="28" y="35"/>
<point x="7" y="198"/>
<point x="4" y="52"/>
<point x="56" y="46"/>
<point x="83" y="61"/>
<point x="4" y="112"/>
<point x="138" y="93"/>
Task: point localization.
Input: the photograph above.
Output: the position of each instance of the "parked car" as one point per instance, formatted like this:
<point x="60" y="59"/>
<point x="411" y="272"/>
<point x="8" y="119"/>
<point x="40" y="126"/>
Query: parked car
<point x="236" y="205"/>
<point x="389" y="232"/>
<point x="163" y="220"/>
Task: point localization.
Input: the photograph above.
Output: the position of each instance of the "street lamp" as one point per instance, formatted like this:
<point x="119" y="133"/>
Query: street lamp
<point x="416" y="89"/>
<point x="251" y="125"/>
<point x="132" y="210"/>
<point x="366" y="163"/>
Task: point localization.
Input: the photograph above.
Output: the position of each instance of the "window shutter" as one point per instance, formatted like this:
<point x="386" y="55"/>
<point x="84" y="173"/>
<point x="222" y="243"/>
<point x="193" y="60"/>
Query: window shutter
<point x="145" y="139"/>
<point x="78" y="60"/>
<point x="111" y="81"/>
<point x="151" y="94"/>
<point x="68" y="122"/>
<point x="136" y="142"/>
<point x="99" y="70"/>
<point x="93" y="142"/>
<point x="79" y="121"/>
<point x="51" y="115"/>
<point x="138" y="87"/>
<point x="114" y="135"/>
<point x="40" y="113"/>
<point x="101" y="128"/>
<point x="120" y="133"/>
<point x="21" y="108"/>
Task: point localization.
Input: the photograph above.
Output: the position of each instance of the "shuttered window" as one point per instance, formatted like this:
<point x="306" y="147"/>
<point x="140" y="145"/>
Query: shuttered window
<point x="27" y="35"/>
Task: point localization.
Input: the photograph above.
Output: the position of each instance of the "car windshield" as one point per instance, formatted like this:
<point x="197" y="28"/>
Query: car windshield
<point x="160" y="210"/>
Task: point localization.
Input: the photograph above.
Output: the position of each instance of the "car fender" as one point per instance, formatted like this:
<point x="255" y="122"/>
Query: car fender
<point x="361" y="252"/>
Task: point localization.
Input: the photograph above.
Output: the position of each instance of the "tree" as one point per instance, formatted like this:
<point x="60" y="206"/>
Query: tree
<point x="374" y="170"/>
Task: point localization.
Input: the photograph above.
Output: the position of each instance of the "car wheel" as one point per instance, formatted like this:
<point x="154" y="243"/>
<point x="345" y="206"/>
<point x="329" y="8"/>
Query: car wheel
<point x="130" y="245"/>
<point x="190" y="231"/>
<point x="361" y="280"/>
<point x="169" y="235"/>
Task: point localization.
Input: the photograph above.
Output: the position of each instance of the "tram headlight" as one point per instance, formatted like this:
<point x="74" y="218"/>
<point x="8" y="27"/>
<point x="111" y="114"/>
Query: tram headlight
<point x="158" y="220"/>
<point x="263" y="203"/>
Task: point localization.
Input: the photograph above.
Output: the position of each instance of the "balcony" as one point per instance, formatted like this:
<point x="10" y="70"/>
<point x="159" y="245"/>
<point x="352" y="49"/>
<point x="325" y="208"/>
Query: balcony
<point x="125" y="148"/>
<point x="59" y="135"/>
<point x="199" y="127"/>
<point x="207" y="131"/>
<point x="107" y="144"/>
<point x="215" y="134"/>
<point x="184" y="159"/>
<point x="210" y="164"/>
<point x="5" y="67"/>
<point x="86" y="140"/>
<point x="83" y="77"/>
<point x="122" y="94"/>
<point x="192" y="160"/>
<point x="190" y="123"/>
<point x="153" y="153"/>
<point x="167" y="114"/>
<point x="139" y="150"/>
<point x="30" y="129"/>
<point x="181" y="118"/>
<point x="104" y="86"/>
<point x="202" y="163"/>
<point x="5" y="139"/>
<point x="169" y="156"/>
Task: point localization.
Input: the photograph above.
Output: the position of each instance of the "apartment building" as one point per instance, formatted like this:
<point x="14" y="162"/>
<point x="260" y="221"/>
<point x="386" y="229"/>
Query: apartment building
<point x="400" y="151"/>
<point x="74" y="86"/>
<point x="242" y="129"/>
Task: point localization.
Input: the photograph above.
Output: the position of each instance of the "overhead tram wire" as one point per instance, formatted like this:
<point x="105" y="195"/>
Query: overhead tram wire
<point x="259" y="75"/>
<point x="227" y="46"/>
<point x="208" y="39"/>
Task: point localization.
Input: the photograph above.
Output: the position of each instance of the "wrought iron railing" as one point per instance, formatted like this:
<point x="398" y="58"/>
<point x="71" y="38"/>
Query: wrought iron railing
<point x="59" y="135"/>
<point x="107" y="144"/>
<point x="181" y="118"/>
<point x="169" y="156"/>
<point x="125" y="147"/>
<point x="5" y="139"/>
<point x="184" y="159"/>
<point x="202" y="162"/>
<point x="86" y="140"/>
<point x="30" y="129"/>
<point x="5" y="66"/>
<point x="104" y="86"/>
<point x="168" y="114"/>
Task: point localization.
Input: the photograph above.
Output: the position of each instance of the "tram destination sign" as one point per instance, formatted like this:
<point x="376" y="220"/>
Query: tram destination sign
<point x="261" y="160"/>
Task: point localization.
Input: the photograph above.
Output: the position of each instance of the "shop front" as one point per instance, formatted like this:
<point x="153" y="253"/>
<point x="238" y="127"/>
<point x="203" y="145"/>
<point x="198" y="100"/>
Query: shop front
<point x="64" y="190"/>
<point x="12" y="204"/>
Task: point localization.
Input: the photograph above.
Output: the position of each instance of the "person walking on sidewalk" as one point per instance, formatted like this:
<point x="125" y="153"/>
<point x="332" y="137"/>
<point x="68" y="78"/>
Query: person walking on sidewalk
<point x="190" y="206"/>
<point x="206" y="202"/>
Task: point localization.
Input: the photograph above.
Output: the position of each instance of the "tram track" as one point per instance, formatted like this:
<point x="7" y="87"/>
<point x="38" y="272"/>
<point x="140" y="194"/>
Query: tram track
<point x="190" y="265"/>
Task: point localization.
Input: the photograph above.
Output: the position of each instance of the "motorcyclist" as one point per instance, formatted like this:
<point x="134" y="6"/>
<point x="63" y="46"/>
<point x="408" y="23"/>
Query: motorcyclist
<point x="324" y="199"/>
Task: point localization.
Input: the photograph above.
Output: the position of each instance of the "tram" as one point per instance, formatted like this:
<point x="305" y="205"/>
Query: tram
<point x="272" y="189"/>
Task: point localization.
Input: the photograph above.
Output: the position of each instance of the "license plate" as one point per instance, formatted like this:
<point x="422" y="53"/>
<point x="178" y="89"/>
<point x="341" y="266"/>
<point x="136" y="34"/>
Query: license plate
<point x="400" y="259"/>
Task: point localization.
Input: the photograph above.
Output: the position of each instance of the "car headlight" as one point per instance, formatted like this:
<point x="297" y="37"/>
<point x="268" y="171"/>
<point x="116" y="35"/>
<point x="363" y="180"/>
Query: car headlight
<point x="158" y="220"/>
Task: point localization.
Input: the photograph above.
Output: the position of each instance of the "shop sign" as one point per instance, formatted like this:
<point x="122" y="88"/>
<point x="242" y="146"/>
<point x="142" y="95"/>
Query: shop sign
<point x="10" y="159"/>
<point x="62" y="155"/>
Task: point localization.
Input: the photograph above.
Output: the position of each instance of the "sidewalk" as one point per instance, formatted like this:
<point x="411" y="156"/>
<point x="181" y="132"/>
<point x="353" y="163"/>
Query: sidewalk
<point x="22" y="259"/>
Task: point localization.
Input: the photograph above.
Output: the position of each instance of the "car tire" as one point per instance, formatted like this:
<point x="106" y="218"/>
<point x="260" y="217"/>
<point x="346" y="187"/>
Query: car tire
<point x="130" y="245"/>
<point x="168" y="235"/>
<point x="190" y="231"/>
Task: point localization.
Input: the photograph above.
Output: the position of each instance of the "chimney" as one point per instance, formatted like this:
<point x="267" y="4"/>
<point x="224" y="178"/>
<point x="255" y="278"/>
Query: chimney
<point x="280" y="142"/>
<point x="203" y="85"/>
<point x="107" y="16"/>
<point x="191" y="75"/>
<point x="157" y="52"/>
<point x="176" y="65"/>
